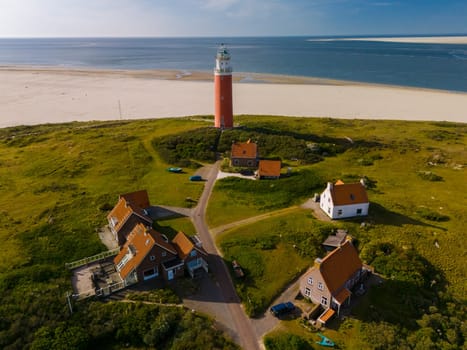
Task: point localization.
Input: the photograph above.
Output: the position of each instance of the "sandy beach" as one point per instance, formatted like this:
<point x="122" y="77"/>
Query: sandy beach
<point x="46" y="95"/>
<point x="407" y="39"/>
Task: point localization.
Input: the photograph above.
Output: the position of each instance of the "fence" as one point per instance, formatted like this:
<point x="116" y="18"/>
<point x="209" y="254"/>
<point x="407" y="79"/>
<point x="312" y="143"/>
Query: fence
<point x="93" y="258"/>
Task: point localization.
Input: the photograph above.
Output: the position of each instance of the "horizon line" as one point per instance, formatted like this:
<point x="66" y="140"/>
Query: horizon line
<point x="240" y="36"/>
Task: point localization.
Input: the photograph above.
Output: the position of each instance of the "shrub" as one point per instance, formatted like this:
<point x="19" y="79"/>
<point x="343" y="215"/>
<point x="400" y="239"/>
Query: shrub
<point x="431" y="215"/>
<point x="429" y="176"/>
<point x="181" y="149"/>
<point x="286" y="341"/>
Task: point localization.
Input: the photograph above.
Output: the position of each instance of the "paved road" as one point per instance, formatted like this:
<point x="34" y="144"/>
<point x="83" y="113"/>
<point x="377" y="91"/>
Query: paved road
<point x="222" y="295"/>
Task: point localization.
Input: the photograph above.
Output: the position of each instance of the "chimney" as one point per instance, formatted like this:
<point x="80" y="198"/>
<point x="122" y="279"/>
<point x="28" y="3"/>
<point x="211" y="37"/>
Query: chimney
<point x="363" y="182"/>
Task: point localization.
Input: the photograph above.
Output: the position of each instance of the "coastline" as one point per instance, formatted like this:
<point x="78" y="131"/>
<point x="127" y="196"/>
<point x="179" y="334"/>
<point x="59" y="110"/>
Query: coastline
<point x="36" y="95"/>
<point x="422" y="40"/>
<point x="409" y="39"/>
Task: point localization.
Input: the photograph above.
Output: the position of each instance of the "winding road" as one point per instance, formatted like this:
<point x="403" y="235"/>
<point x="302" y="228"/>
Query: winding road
<point x="224" y="295"/>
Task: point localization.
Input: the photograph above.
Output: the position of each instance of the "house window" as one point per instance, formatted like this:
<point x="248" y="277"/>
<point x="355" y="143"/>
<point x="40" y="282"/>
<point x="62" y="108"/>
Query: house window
<point x="329" y="210"/>
<point x="310" y="281"/>
<point x="152" y="258"/>
<point x="164" y="253"/>
<point x="151" y="273"/>
<point x="320" y="286"/>
<point x="359" y="211"/>
<point x="193" y="253"/>
<point x="339" y="212"/>
<point x="113" y="221"/>
<point x="236" y="162"/>
<point x="249" y="162"/>
<point x="307" y="292"/>
<point x="122" y="262"/>
<point x="324" y="301"/>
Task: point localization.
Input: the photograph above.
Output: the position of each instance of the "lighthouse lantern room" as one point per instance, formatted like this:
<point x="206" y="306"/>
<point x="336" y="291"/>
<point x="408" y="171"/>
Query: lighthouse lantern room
<point x="223" y="108"/>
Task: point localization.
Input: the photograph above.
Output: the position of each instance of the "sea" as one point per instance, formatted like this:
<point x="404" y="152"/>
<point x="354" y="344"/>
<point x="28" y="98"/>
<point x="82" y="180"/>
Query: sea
<point x="434" y="66"/>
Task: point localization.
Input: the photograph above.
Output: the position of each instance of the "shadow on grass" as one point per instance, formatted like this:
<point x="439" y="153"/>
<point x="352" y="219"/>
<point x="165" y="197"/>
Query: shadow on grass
<point x="214" y="286"/>
<point x="380" y="215"/>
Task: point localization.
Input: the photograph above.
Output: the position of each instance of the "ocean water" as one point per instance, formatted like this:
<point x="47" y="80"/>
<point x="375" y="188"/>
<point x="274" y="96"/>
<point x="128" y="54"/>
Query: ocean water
<point x="437" y="66"/>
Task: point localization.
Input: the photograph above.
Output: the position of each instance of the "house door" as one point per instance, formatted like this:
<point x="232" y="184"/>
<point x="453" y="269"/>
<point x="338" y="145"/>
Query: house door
<point x="170" y="275"/>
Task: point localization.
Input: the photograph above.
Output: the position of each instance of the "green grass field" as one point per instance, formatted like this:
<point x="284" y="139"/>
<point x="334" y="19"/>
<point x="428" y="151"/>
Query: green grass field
<point x="57" y="181"/>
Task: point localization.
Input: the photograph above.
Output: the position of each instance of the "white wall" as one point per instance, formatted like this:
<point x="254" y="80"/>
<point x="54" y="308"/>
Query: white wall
<point x="348" y="211"/>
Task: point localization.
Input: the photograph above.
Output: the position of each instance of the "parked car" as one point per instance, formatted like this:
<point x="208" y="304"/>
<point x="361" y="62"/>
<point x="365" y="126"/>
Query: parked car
<point x="282" y="308"/>
<point x="196" y="178"/>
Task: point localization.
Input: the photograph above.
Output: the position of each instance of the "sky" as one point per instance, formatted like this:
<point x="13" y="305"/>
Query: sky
<point x="187" y="18"/>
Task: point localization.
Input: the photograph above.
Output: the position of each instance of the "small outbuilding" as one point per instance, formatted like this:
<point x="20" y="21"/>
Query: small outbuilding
<point x="269" y="169"/>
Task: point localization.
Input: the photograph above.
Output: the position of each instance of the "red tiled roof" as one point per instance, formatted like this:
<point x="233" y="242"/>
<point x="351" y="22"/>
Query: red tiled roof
<point x="138" y="198"/>
<point x="339" y="266"/>
<point x="269" y="168"/>
<point x="326" y="315"/>
<point x="342" y="296"/>
<point x="123" y="210"/>
<point x="244" y="150"/>
<point x="140" y="241"/>
<point x="345" y="194"/>
<point x="185" y="245"/>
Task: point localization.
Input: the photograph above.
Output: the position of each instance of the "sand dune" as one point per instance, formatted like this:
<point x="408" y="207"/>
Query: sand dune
<point x="34" y="96"/>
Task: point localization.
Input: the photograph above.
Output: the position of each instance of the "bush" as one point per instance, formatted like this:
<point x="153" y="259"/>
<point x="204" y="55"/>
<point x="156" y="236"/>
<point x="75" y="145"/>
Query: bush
<point x="286" y="341"/>
<point x="431" y="215"/>
<point x="182" y="149"/>
<point x="162" y="296"/>
<point x="429" y="176"/>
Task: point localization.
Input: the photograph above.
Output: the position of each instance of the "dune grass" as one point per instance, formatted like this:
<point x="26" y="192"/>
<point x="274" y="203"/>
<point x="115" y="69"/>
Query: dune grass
<point x="56" y="185"/>
<point x="56" y="182"/>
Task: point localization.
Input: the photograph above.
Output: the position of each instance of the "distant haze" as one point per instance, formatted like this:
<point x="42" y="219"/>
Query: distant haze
<point x="122" y="18"/>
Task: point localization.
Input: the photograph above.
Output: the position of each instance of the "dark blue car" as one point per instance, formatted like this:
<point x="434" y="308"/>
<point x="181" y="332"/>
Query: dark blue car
<point x="282" y="308"/>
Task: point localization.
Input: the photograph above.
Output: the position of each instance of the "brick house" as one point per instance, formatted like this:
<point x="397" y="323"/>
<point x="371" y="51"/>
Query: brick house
<point x="191" y="252"/>
<point x="244" y="154"/>
<point x="330" y="280"/>
<point x="131" y="209"/>
<point x="147" y="254"/>
<point x="342" y="200"/>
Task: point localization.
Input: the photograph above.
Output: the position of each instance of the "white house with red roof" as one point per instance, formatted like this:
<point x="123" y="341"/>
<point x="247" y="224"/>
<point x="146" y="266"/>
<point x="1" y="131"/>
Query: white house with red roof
<point x="342" y="200"/>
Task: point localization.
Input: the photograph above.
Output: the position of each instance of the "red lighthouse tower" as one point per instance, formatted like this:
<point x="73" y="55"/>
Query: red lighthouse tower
<point x="223" y="110"/>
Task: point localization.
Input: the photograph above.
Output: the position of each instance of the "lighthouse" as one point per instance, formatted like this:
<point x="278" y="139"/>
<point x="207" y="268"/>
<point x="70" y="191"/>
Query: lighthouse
<point x="223" y="110"/>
